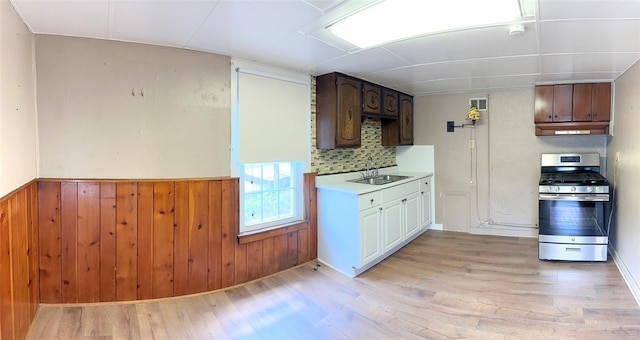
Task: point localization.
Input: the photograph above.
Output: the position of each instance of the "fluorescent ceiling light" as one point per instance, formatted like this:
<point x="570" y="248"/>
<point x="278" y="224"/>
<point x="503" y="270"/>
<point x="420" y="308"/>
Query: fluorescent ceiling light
<point x="392" y="20"/>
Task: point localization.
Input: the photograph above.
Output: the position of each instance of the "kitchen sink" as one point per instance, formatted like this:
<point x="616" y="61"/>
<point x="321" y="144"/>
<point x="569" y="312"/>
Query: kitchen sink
<point x="392" y="178"/>
<point x="379" y="180"/>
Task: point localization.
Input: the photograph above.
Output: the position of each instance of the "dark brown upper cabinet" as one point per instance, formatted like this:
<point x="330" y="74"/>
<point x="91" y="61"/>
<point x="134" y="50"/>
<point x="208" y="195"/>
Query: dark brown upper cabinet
<point x="371" y="100"/>
<point x="601" y="102"/>
<point x="399" y="131"/>
<point x="406" y="119"/>
<point x="553" y="103"/>
<point x="592" y="102"/>
<point x="572" y="109"/>
<point x="389" y="103"/>
<point x="338" y="111"/>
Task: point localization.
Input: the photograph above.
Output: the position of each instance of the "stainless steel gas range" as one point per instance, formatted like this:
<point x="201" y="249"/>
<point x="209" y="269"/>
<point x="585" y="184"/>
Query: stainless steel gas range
<point x="574" y="207"/>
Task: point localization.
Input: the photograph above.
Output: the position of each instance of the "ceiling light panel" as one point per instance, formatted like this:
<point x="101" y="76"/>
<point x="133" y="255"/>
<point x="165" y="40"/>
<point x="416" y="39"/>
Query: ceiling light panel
<point x="393" y="20"/>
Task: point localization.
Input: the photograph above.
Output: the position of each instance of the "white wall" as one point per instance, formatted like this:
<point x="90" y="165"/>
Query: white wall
<point x="625" y="175"/>
<point x="17" y="102"/>
<point x="498" y="193"/>
<point x="119" y="110"/>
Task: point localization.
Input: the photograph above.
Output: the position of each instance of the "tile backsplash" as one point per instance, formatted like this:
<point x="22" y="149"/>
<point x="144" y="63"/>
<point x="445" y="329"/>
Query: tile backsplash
<point x="335" y="161"/>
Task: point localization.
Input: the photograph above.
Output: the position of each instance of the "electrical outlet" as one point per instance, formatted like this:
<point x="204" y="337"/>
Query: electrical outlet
<point x="472" y="143"/>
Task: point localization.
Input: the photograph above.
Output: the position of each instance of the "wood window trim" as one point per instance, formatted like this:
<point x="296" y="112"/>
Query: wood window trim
<point x="259" y="235"/>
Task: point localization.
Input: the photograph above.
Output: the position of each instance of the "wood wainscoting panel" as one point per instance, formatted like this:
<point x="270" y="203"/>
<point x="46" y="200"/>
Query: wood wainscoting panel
<point x="145" y="236"/>
<point x="89" y="241"/>
<point x="19" y="260"/>
<point x="163" y="239"/>
<point x="33" y="251"/>
<point x="103" y="241"/>
<point x="198" y="236"/>
<point x="228" y="230"/>
<point x="49" y="242"/>
<point x="181" y="240"/>
<point x="69" y="241"/>
<point x="19" y="277"/>
<point x="214" y="276"/>
<point x="107" y="241"/>
<point x="126" y="241"/>
<point x="6" y="292"/>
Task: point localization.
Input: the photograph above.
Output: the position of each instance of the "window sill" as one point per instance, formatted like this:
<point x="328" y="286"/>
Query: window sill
<point x="258" y="235"/>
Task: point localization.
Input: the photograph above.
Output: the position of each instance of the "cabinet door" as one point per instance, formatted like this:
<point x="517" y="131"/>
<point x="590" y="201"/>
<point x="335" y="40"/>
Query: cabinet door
<point x="544" y="104"/>
<point x="411" y="214"/>
<point x="562" y="103"/>
<point x="406" y="119"/>
<point x="349" y="112"/>
<point x="425" y="202"/>
<point x="601" y="102"/>
<point x="371" y="104"/>
<point x="582" y="102"/>
<point x="389" y="103"/>
<point x="391" y="225"/>
<point x="370" y="242"/>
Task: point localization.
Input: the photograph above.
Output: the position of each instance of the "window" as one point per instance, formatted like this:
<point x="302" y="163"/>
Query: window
<point x="270" y="194"/>
<point x="265" y="101"/>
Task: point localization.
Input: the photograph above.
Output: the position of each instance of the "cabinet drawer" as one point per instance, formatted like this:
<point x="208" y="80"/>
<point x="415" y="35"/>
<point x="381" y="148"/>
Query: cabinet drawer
<point x="399" y="191"/>
<point x="425" y="184"/>
<point x="572" y="252"/>
<point x="369" y="200"/>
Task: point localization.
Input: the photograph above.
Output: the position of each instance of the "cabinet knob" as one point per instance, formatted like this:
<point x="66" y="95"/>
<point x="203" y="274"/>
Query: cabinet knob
<point x="380" y="208"/>
<point x="371" y="201"/>
<point x="549" y="116"/>
<point x="421" y="192"/>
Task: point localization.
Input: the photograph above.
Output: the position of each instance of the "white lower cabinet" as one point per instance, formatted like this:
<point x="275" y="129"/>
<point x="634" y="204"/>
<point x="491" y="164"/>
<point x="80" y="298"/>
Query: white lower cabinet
<point x="392" y="224"/>
<point x="370" y="242"/>
<point x="411" y="215"/>
<point x="355" y="232"/>
<point x="425" y="201"/>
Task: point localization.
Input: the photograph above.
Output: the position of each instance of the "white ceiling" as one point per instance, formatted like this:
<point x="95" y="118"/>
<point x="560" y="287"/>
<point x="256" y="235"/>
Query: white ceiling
<point x="564" y="41"/>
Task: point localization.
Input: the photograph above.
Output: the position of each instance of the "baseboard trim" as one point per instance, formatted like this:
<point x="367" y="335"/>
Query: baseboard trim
<point x="626" y="274"/>
<point x="505" y="231"/>
<point x="434" y="226"/>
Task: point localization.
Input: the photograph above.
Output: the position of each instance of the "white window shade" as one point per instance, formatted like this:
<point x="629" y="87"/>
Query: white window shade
<point x="273" y="118"/>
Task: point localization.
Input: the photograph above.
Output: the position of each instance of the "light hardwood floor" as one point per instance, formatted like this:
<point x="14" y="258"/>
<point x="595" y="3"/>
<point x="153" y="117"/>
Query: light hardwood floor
<point x="443" y="285"/>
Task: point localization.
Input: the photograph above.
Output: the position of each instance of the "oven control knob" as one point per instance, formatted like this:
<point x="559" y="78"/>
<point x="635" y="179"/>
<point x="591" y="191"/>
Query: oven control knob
<point x="556" y="188"/>
<point x="573" y="188"/>
<point x="589" y="189"/>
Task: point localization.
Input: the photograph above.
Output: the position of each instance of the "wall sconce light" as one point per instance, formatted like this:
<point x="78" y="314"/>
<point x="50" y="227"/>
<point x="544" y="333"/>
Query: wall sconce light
<point x="473" y="115"/>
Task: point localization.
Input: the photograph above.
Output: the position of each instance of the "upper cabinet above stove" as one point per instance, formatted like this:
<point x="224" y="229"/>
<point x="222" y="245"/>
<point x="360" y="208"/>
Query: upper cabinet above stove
<point x="573" y="109"/>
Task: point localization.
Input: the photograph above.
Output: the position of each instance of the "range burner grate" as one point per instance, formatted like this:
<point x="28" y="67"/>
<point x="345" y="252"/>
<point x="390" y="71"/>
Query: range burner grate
<point x="572" y="178"/>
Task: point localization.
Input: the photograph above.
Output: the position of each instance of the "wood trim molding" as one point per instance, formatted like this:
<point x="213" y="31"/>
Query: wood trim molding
<point x="272" y="232"/>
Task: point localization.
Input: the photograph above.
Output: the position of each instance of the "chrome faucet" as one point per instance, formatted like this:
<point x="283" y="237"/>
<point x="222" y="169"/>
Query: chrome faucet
<point x="368" y="171"/>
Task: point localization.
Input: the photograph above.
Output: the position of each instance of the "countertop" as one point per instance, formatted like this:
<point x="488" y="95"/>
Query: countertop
<point x="339" y="182"/>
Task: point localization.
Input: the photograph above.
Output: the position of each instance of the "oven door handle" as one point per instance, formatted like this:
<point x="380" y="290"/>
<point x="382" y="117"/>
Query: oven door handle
<point x="569" y="197"/>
